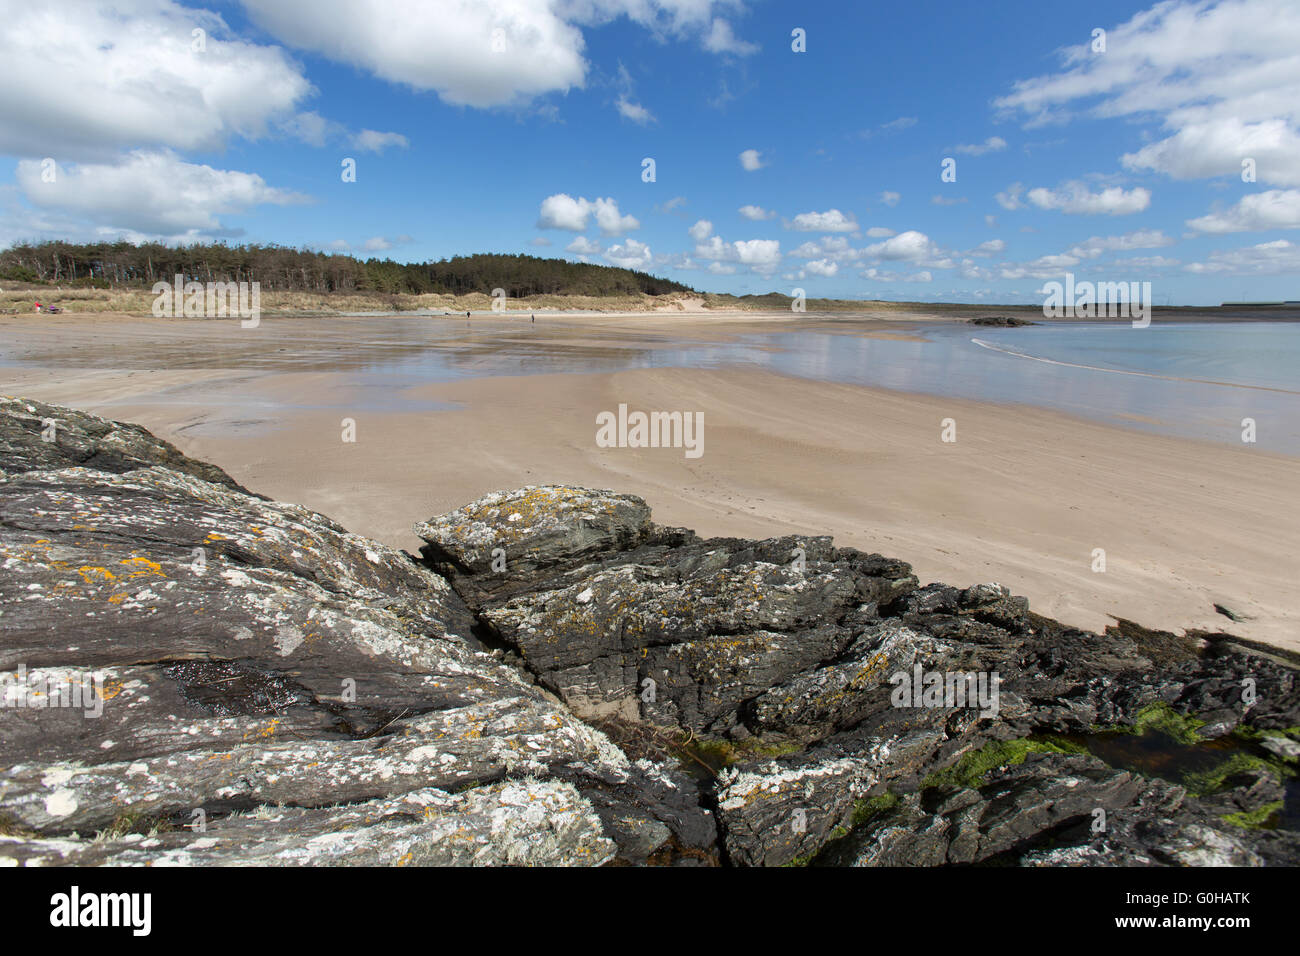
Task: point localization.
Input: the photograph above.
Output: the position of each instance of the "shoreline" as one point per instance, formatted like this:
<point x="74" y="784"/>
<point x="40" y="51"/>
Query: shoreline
<point x="1022" y="497"/>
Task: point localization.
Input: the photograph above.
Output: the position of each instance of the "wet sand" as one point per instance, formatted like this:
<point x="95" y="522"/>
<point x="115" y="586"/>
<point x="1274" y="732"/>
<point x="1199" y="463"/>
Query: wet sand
<point x="1023" y="497"/>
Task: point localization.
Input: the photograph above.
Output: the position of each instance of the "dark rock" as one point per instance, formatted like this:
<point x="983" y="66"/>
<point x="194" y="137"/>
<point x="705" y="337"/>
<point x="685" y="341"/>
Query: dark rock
<point x="314" y="696"/>
<point x="1001" y="321"/>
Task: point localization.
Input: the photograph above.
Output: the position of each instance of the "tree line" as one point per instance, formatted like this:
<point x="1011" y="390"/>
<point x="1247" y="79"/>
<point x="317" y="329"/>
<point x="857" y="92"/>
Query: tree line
<point x="282" y="269"/>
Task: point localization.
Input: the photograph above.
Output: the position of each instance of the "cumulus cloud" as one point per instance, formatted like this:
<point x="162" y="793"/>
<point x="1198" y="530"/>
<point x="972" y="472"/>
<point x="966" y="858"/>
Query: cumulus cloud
<point x="562" y="211"/>
<point x="991" y="247"/>
<point x="750" y="160"/>
<point x="583" y="246"/>
<point x="1075" y="198"/>
<point x="629" y="254"/>
<point x="756" y="213"/>
<point x="832" y="220"/>
<point x="380" y="243"/>
<point x="822" y="267"/>
<point x="1222" y="77"/>
<point x="481" y="54"/>
<point x="761" y="255"/>
<point x="1009" y="198"/>
<point x="1141" y="239"/>
<point x="371" y="141"/>
<point x="84" y="80"/>
<point x="879" y="275"/>
<point x="722" y="39"/>
<point x="150" y="193"/>
<point x="991" y="145"/>
<point x="633" y="111"/>
<point x="701" y="230"/>
<point x="1218" y="147"/>
<point x="1279" y="257"/>
<point x="910" y="246"/>
<point x="1273" y="209"/>
<point x="830" y="248"/>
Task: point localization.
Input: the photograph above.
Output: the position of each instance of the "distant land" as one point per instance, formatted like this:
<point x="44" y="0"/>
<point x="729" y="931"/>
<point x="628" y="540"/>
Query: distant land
<point x="117" y="277"/>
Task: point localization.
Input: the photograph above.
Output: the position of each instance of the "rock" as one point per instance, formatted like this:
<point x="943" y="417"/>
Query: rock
<point x="1001" y="321"/>
<point x="37" y="436"/>
<point x="511" y="823"/>
<point x="225" y="652"/>
<point x="558" y="680"/>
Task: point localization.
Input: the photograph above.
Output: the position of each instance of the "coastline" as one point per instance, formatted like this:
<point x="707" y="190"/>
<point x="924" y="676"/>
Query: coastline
<point x="1023" y="497"/>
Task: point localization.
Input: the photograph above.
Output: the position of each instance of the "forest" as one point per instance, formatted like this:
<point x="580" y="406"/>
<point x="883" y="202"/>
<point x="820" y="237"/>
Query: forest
<point x="282" y="269"/>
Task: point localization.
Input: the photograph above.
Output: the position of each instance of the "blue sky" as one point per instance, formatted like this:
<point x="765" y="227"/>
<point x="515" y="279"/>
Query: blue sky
<point x="522" y="125"/>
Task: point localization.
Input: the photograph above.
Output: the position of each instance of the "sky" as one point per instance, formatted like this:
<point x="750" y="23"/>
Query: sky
<point x="927" y="151"/>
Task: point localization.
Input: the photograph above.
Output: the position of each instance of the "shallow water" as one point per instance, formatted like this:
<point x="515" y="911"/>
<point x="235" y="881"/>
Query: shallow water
<point x="1195" y="380"/>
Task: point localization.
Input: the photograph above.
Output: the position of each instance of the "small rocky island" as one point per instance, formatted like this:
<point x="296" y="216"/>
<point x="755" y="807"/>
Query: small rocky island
<point x="558" y="680"/>
<point x="1001" y="322"/>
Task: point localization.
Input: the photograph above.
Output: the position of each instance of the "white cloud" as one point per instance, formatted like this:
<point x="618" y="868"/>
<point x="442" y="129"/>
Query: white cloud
<point x="380" y="243"/>
<point x="1223" y="78"/>
<point x="1141" y="239"/>
<point x="84" y="80"/>
<point x="890" y="198"/>
<point x="832" y="220"/>
<point x="756" y="213"/>
<point x="1274" y="209"/>
<point x="583" y="246"/>
<point x="562" y="211"/>
<point x="1075" y="198"/>
<point x="722" y="39"/>
<point x="1218" y="147"/>
<point x="629" y="255"/>
<point x="1279" y="257"/>
<point x="991" y="247"/>
<point x="151" y="193"/>
<point x="761" y="255"/>
<point x="991" y="145"/>
<point x="1010" y="197"/>
<point x="830" y="248"/>
<point x="484" y="53"/>
<point x="634" y="111"/>
<point x="701" y="230"/>
<point x="910" y="246"/>
<point x="822" y="267"/>
<point x="879" y="275"/>
<point x="371" y="141"/>
<point x="879" y="232"/>
<point x="751" y="160"/>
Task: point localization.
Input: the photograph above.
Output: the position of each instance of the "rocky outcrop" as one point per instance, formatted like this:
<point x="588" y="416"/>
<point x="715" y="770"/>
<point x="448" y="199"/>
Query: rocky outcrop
<point x="193" y="674"/>
<point x="254" y="666"/>
<point x="782" y="661"/>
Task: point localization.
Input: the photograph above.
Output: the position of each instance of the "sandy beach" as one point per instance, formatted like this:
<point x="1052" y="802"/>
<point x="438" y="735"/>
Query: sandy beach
<point x="1022" y="497"/>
